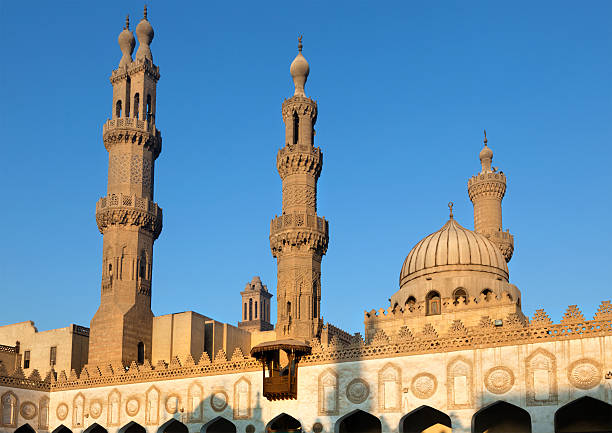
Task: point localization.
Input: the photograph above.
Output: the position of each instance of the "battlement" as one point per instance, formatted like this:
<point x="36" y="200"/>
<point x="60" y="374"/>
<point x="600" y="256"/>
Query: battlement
<point x="491" y="176"/>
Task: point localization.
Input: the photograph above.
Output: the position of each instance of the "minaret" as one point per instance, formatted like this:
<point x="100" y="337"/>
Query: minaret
<point x="299" y="238"/>
<point x="487" y="190"/>
<point x="128" y="218"/>
<point x="255" y="307"/>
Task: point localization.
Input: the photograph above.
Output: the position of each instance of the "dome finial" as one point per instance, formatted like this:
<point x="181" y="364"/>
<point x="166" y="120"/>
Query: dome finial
<point x="485" y="139"/>
<point x="299" y="70"/>
<point x="450" y="208"/>
<point x="127" y="22"/>
<point x="126" y="43"/>
<point x="145" y="33"/>
<point x="486" y="156"/>
<point x="145" y="11"/>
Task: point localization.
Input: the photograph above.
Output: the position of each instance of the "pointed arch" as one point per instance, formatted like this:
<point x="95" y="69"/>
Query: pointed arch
<point x="242" y="399"/>
<point x="43" y="413"/>
<point x="194" y="402"/>
<point x="541" y="378"/>
<point x="328" y="392"/>
<point x="78" y="407"/>
<point x="585" y="414"/>
<point x="459" y="383"/>
<point x="358" y="421"/>
<point x="283" y="423"/>
<point x="132" y="427"/>
<point x="62" y="429"/>
<point x="389" y="388"/>
<point x="26" y="428"/>
<point x="95" y="428"/>
<point x="114" y="405"/>
<point x="422" y="418"/>
<point x="501" y="417"/>
<point x="173" y="426"/>
<point x="152" y="406"/>
<point x="9" y="409"/>
<point x="218" y="425"/>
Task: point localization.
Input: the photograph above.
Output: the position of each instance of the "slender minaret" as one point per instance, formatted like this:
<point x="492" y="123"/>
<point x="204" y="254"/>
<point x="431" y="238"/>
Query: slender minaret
<point x="299" y="238"/>
<point x="128" y="218"/>
<point x="487" y="190"/>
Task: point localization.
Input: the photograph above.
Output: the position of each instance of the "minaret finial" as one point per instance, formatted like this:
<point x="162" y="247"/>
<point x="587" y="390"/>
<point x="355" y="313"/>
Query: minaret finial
<point x="300" y="43"/>
<point x="450" y="208"/>
<point x="145" y="11"/>
<point x="127" y="22"/>
<point x="485" y="139"/>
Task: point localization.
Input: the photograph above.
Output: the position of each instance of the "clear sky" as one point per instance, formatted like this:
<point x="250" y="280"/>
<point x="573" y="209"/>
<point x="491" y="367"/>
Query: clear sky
<point x="404" y="91"/>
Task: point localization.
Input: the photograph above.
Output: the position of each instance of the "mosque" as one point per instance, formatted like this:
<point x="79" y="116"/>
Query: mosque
<point x="452" y="351"/>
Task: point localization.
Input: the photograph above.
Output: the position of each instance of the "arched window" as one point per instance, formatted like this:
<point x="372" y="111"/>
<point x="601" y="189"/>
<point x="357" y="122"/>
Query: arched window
<point x="256" y="309"/>
<point x="296" y="127"/>
<point x="245" y="311"/>
<point x="288" y="308"/>
<point x="459" y="293"/>
<point x="410" y="302"/>
<point x="148" y="107"/>
<point x="137" y="105"/>
<point x="433" y="303"/>
<point x="141" y="354"/>
<point x="118" y="109"/>
<point x="488" y="294"/>
<point x="251" y="309"/>
<point x="142" y="269"/>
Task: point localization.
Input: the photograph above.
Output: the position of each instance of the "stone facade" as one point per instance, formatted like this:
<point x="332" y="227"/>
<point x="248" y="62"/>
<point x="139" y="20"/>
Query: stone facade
<point x="452" y="352"/>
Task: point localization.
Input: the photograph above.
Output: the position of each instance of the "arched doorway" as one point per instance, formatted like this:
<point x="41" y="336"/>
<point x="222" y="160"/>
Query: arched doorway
<point x="95" y="428"/>
<point x="425" y="419"/>
<point x="132" y="427"/>
<point x="501" y="417"/>
<point x="62" y="429"/>
<point x="26" y="428"/>
<point x="283" y="423"/>
<point x="219" y="425"/>
<point x="173" y="426"/>
<point x="586" y="414"/>
<point x="358" y="421"/>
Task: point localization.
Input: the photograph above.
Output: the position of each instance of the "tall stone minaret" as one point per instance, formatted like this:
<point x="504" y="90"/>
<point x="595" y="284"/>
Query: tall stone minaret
<point x="299" y="238"/>
<point x="128" y="218"/>
<point x="487" y="190"/>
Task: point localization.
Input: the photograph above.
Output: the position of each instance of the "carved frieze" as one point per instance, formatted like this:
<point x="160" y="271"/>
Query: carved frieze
<point x="128" y="212"/>
<point x="585" y="373"/>
<point x="357" y="391"/>
<point x="424" y="385"/>
<point x="293" y="160"/>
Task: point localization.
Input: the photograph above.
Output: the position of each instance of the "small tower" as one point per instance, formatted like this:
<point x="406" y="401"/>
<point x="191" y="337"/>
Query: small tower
<point x="299" y="237"/>
<point x="486" y="191"/>
<point x="256" y="307"/>
<point x="128" y="218"/>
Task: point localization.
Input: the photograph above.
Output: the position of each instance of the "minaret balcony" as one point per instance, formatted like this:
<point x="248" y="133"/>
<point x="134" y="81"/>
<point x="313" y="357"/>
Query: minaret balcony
<point x="129" y="123"/>
<point x="298" y="221"/>
<point x="123" y="209"/>
<point x="293" y="231"/>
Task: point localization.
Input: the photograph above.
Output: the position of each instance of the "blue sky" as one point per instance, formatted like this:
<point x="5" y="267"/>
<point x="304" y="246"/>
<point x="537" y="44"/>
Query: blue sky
<point x="404" y="91"/>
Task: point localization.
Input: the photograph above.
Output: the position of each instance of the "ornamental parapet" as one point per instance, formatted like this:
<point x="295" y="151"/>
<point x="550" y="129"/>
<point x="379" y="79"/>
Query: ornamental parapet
<point x="299" y="158"/>
<point x="295" y="230"/>
<point x="129" y="129"/>
<point x="301" y="105"/>
<point x="122" y="209"/>
<point x="136" y="66"/>
<point x="493" y="184"/>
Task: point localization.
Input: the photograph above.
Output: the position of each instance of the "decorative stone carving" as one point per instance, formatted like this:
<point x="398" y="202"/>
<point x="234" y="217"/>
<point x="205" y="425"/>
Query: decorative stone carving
<point x="28" y="410"/>
<point x="584" y="373"/>
<point x="572" y="315"/>
<point x="78" y="410"/>
<point x="357" y="391"/>
<point x="10" y="409"/>
<point x="114" y="406"/>
<point x="604" y="311"/>
<point x="194" y="402"/>
<point x="173" y="403"/>
<point x="328" y="393"/>
<point x="424" y="385"/>
<point x="152" y="406"/>
<point x="43" y="413"/>
<point x="62" y="411"/>
<point x="540" y="318"/>
<point x="250" y="428"/>
<point x="459" y="383"/>
<point x="95" y="409"/>
<point x="132" y="406"/>
<point x="317" y="427"/>
<point x="541" y="378"/>
<point x="389" y="388"/>
<point x="218" y="400"/>
<point x="499" y="380"/>
<point x="242" y="399"/>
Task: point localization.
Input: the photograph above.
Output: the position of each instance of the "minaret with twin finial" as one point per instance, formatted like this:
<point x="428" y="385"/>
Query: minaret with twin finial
<point x="128" y="218"/>
<point x="299" y="237"/>
<point x="486" y="191"/>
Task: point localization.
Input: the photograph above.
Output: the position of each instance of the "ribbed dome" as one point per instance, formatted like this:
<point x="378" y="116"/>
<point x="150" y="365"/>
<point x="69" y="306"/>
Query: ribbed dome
<point x="453" y="248"/>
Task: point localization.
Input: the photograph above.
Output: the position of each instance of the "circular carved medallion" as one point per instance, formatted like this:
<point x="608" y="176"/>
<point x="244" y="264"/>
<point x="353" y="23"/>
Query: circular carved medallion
<point x="218" y="401"/>
<point x="584" y="373"/>
<point x="317" y="427"/>
<point x="357" y="391"/>
<point x="132" y="406"/>
<point x="499" y="380"/>
<point x="173" y="402"/>
<point x="424" y="385"/>
<point x="95" y="409"/>
<point x="250" y="428"/>
<point x="28" y="410"/>
<point x="62" y="411"/>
